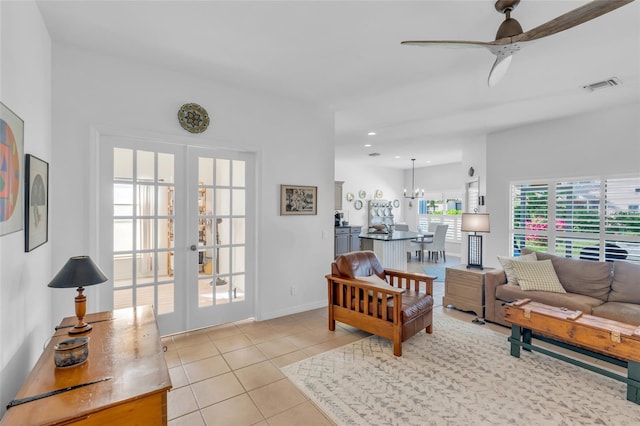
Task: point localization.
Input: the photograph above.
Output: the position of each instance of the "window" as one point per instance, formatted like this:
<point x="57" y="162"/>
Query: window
<point x="442" y="209"/>
<point x="575" y="218"/>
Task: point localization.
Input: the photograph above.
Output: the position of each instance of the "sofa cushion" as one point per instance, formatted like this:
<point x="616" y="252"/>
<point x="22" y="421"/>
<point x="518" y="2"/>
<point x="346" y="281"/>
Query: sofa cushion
<point x="507" y="266"/>
<point x="538" y="276"/>
<point x="376" y="281"/>
<point x="581" y="276"/>
<point x="586" y="304"/>
<point x="414" y="304"/>
<point x="628" y="313"/>
<point x="626" y="282"/>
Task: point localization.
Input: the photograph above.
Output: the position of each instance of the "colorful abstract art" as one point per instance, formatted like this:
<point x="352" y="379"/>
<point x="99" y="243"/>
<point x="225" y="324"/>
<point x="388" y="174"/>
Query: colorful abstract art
<point x="11" y="171"/>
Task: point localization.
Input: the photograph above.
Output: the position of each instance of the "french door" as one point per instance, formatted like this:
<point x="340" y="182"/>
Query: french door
<point x="176" y="231"/>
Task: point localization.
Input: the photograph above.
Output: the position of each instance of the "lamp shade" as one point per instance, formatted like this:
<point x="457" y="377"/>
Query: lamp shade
<point x="79" y="271"/>
<point x="475" y="222"/>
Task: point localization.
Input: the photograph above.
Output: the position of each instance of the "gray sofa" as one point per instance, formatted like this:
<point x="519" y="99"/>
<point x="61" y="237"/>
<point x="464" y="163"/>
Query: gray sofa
<point x="605" y="289"/>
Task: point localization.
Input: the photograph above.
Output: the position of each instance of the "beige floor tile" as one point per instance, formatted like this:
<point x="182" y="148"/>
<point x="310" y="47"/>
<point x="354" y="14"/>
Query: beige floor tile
<point x="257" y="375"/>
<point x="306" y="339"/>
<point x="222" y="331"/>
<point x="277" y="397"/>
<point x="322" y="347"/>
<point x="172" y="358"/>
<point x="277" y="347"/>
<point x="232" y="343"/>
<point x="190" y="339"/>
<point x="304" y="414"/>
<point x="180" y="401"/>
<point x="261" y="336"/>
<point x="244" y="357"/>
<point x="197" y="352"/>
<point x="216" y="389"/>
<point x="206" y="368"/>
<point x="191" y="419"/>
<point x="289" y="358"/>
<point x="237" y="411"/>
<point x="178" y="377"/>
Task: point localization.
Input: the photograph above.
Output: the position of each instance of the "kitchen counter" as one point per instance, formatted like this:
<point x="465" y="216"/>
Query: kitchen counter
<point x="391" y="249"/>
<point x="394" y="236"/>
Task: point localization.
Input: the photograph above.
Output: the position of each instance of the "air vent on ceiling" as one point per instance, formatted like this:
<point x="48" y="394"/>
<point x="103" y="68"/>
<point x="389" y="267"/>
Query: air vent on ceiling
<point x="374" y="154"/>
<point x="613" y="81"/>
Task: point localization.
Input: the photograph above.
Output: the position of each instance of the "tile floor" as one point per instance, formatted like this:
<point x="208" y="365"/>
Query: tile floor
<point x="229" y="374"/>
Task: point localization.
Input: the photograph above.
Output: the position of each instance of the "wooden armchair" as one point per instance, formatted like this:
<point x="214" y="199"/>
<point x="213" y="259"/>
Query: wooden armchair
<point x="384" y="302"/>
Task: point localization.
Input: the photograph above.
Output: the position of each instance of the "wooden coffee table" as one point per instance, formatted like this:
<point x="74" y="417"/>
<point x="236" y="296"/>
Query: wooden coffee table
<point x="598" y="335"/>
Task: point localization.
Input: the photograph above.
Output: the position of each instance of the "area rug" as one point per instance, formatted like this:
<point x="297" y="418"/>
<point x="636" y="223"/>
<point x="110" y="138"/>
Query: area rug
<point x="462" y="374"/>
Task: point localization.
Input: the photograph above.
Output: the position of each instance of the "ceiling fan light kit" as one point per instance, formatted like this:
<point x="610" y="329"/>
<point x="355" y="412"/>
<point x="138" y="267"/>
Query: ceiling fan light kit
<point x="510" y="37"/>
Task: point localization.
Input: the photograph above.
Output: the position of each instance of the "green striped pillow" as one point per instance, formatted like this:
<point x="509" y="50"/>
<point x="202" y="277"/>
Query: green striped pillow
<point x="537" y="276"/>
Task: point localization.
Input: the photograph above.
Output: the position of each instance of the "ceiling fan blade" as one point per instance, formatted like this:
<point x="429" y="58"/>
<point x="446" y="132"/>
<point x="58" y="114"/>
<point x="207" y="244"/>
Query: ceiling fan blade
<point x="449" y="43"/>
<point x="499" y="69"/>
<point x="578" y="16"/>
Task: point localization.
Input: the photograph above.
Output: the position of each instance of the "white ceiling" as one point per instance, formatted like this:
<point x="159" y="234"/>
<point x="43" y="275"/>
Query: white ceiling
<point x="422" y="102"/>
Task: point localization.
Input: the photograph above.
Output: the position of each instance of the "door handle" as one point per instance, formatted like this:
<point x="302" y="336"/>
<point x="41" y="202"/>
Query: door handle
<point x="193" y="247"/>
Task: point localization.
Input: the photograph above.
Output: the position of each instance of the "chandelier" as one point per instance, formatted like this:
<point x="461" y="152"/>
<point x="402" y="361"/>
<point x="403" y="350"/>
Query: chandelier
<point x="415" y="192"/>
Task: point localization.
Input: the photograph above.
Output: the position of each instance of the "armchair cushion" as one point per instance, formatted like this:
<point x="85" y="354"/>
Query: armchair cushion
<point x="359" y="264"/>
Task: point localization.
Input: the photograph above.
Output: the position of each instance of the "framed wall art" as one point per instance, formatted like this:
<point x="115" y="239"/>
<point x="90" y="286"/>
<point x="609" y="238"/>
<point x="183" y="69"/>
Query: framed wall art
<point x="11" y="171"/>
<point x="298" y="200"/>
<point x="36" y="203"/>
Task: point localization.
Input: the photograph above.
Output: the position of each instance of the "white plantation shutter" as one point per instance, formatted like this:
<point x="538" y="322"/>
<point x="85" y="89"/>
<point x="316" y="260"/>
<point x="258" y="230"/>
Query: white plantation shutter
<point x="575" y="218"/>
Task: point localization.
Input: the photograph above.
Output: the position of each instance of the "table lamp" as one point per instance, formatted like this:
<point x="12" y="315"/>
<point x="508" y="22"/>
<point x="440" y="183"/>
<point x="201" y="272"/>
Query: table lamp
<point x="79" y="271"/>
<point x="475" y="222"/>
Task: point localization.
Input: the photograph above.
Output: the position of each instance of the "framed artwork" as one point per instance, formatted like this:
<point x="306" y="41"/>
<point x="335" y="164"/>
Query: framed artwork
<point x="11" y="171"/>
<point x="298" y="200"/>
<point x="36" y="203"/>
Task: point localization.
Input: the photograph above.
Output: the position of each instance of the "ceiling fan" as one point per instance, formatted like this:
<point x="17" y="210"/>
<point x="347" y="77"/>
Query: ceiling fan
<point x="510" y="37"/>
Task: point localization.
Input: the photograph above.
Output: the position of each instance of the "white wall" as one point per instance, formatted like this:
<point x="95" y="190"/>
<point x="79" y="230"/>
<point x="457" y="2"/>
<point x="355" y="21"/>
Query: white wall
<point x="606" y="142"/>
<point x="369" y="179"/>
<point x="293" y="144"/>
<point x="25" y="299"/>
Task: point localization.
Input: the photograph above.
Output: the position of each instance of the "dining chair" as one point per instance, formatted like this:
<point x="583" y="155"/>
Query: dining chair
<point x="437" y="245"/>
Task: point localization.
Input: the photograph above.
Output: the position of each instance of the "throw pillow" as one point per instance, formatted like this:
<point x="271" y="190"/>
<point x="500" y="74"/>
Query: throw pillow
<point x="377" y="281"/>
<point x="505" y="261"/>
<point x="538" y="276"/>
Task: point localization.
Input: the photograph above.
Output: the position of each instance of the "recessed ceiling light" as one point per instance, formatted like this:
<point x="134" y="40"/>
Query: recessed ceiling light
<point x="428" y="161"/>
<point x="367" y="145"/>
<point x="371" y="134"/>
<point x="397" y="156"/>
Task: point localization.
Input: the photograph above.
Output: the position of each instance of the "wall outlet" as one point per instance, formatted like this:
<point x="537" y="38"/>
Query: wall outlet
<point x="292" y="290"/>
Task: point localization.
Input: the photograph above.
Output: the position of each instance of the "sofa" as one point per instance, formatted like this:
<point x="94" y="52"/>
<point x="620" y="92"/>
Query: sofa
<point x="388" y="303"/>
<point x="604" y="289"/>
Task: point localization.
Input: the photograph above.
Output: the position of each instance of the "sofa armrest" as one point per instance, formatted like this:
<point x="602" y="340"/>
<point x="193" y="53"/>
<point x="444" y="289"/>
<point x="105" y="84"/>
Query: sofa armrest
<point x="492" y="279"/>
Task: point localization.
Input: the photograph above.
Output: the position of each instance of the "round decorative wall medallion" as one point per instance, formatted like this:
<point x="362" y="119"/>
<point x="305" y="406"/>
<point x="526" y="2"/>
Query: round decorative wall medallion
<point x="193" y="118"/>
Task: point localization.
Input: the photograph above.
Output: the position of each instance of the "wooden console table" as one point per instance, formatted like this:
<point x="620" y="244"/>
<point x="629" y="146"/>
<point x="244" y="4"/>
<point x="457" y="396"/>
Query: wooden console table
<point x="600" y="335"/>
<point x="125" y="360"/>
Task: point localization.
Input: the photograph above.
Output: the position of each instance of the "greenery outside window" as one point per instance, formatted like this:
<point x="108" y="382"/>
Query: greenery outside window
<point x="442" y="209"/>
<point x="576" y="217"/>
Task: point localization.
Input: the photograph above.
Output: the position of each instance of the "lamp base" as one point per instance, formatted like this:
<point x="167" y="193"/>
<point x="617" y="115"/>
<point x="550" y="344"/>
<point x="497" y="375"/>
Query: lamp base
<point x="475" y="267"/>
<point x="80" y="328"/>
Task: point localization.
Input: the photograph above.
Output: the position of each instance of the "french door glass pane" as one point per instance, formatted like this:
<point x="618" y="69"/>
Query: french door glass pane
<point x="143" y="229"/>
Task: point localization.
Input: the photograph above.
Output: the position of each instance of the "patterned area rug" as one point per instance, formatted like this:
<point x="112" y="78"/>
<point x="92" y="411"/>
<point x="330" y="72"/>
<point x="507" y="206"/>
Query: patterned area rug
<point x="462" y="374"/>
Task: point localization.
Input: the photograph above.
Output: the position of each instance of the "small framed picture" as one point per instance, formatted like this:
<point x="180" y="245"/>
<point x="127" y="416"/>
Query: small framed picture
<point x="298" y="200"/>
<point x="36" y="203"/>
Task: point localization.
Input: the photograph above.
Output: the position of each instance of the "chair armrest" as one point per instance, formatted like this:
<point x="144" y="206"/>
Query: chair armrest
<point x="365" y="285"/>
<point x="403" y="279"/>
<point x="492" y="280"/>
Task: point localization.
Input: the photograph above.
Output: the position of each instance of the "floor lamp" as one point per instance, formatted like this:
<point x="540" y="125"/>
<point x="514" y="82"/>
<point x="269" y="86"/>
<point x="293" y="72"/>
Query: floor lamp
<point x="475" y="222"/>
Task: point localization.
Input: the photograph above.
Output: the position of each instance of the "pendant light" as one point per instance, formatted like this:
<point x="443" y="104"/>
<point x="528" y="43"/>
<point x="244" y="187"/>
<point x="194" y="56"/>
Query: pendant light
<point x="415" y="192"/>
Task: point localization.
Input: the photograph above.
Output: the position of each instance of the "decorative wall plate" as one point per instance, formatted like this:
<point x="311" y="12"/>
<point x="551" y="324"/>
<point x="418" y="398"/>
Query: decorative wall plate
<point x="349" y="196"/>
<point x="193" y="118"/>
<point x="396" y="203"/>
<point x="379" y="193"/>
<point x="362" y="194"/>
<point x="358" y="204"/>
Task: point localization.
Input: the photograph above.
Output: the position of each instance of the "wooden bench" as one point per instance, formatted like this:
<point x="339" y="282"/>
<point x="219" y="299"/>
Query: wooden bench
<point x="596" y="335"/>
